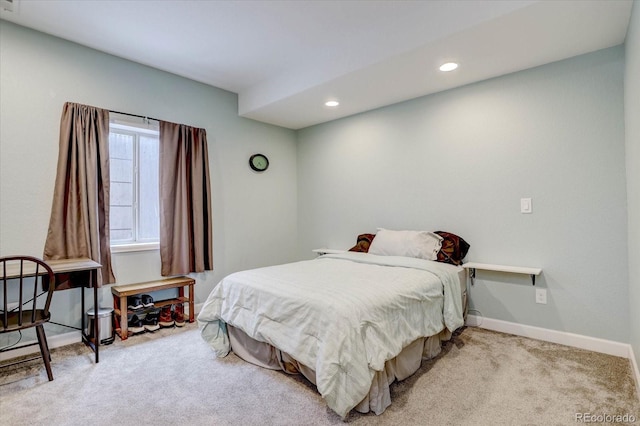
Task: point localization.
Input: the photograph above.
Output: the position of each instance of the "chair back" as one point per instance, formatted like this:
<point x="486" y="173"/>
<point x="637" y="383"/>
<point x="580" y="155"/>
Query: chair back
<point x="20" y="277"/>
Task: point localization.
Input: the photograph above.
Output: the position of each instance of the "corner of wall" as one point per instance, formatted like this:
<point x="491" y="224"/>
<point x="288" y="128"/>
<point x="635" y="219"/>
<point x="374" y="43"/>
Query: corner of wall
<point x="632" y="146"/>
<point x="635" y="370"/>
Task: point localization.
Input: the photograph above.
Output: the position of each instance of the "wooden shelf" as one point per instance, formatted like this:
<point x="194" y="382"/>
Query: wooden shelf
<point x="156" y="304"/>
<point x="149" y="286"/>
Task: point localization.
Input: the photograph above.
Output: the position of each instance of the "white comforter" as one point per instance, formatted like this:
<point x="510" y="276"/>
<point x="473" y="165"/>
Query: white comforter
<point x="343" y="315"/>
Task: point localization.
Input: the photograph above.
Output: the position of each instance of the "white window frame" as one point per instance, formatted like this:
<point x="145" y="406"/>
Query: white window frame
<point x="134" y="128"/>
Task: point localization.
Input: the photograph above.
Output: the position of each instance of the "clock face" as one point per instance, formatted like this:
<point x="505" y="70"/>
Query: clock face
<point x="259" y="162"/>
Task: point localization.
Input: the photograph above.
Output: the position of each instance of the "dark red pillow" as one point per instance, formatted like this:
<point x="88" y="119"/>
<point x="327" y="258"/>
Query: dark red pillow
<point x="363" y="243"/>
<point x="453" y="250"/>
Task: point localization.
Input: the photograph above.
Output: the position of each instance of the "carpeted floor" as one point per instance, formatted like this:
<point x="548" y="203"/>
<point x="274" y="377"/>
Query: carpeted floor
<point x="172" y="377"/>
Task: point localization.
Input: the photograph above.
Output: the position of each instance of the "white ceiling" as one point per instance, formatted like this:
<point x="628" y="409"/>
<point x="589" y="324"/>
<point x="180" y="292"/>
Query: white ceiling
<point x="286" y="58"/>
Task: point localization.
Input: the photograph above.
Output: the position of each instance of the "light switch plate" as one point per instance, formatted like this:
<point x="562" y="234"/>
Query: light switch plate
<point x="525" y="205"/>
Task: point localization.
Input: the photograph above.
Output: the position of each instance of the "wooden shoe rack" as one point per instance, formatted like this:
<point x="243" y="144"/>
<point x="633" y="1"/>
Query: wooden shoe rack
<point x="120" y="293"/>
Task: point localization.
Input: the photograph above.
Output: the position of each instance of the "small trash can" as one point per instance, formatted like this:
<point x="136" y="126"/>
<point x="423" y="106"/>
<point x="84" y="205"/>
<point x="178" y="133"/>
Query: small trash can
<point x="105" y="325"/>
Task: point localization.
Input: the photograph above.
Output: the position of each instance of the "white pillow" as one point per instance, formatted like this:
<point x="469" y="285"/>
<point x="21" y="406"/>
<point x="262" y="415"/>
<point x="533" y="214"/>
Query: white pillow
<point x="420" y="244"/>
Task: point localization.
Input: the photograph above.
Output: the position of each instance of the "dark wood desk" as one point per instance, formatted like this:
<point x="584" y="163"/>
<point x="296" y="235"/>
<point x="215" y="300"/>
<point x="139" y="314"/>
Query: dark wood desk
<point x="75" y="273"/>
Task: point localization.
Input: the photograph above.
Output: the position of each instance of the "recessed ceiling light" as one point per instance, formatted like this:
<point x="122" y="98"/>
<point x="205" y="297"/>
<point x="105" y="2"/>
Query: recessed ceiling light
<point x="449" y="66"/>
<point x="332" y="103"/>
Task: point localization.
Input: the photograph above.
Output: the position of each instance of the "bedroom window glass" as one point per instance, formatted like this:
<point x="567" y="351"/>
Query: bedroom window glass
<point x="134" y="197"/>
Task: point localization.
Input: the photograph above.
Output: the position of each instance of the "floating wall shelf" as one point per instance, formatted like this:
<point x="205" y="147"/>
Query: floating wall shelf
<point x="472" y="266"/>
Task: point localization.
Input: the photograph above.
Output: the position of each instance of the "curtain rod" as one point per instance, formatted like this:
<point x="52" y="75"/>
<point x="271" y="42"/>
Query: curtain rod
<point x="145" y="117"/>
<point x="134" y="115"/>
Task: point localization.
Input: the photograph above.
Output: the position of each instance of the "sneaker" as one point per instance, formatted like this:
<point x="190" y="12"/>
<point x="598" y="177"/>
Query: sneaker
<point x="135" y="303"/>
<point x="147" y="301"/>
<point x="178" y="314"/>
<point x="166" y="319"/>
<point x="150" y="321"/>
<point x="134" y="324"/>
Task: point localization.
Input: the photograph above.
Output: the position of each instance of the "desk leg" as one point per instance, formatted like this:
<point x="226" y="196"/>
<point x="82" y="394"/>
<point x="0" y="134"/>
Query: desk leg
<point x="82" y="314"/>
<point x="96" y="322"/>
<point x="93" y="281"/>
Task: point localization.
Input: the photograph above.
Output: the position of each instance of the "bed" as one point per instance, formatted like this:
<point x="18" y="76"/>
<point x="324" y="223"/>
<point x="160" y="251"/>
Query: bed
<point x="350" y="322"/>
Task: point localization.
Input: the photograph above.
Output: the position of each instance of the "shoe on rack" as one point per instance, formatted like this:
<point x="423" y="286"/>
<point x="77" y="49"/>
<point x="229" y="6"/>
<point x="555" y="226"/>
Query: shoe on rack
<point x="150" y="321"/>
<point x="166" y="319"/>
<point x="135" y="303"/>
<point x="178" y="314"/>
<point x="147" y="301"/>
<point x="134" y="324"/>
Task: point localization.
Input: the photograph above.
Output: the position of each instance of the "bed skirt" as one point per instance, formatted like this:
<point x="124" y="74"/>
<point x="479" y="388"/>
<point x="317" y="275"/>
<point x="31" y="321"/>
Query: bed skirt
<point x="378" y="398"/>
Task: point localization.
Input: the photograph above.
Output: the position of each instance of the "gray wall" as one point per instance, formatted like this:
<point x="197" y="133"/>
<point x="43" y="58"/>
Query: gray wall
<point x="38" y="73"/>
<point x="632" y="125"/>
<point x="461" y="160"/>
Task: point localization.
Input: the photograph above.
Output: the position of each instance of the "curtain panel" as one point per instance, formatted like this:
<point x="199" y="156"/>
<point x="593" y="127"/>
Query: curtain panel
<point x="186" y="233"/>
<point x="79" y="222"/>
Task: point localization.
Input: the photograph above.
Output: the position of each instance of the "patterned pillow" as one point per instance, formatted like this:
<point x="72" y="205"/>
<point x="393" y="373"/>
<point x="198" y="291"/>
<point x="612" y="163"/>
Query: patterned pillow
<point x="363" y="243"/>
<point x="454" y="248"/>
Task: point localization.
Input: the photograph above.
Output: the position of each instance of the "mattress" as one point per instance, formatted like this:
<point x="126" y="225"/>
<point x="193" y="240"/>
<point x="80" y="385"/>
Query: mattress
<point x="343" y="316"/>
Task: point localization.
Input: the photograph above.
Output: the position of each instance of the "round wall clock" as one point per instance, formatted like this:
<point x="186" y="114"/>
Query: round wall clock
<point x="259" y="162"/>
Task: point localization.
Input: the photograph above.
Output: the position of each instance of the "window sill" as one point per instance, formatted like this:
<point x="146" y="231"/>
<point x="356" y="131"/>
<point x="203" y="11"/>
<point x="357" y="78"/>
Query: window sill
<point x="124" y="248"/>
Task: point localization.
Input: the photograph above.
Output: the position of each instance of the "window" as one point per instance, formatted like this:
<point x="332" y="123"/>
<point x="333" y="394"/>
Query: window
<point x="134" y="196"/>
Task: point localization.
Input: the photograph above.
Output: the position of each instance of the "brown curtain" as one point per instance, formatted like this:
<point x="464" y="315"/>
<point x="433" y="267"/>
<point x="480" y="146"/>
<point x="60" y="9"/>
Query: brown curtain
<point x="79" y="223"/>
<point x="186" y="241"/>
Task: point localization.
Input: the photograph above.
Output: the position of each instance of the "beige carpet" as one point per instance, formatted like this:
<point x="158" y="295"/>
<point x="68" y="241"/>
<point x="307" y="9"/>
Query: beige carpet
<point x="171" y="377"/>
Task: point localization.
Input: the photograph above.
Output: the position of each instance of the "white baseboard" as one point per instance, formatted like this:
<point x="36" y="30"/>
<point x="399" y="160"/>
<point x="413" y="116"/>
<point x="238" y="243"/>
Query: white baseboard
<point x="53" y="341"/>
<point x="608" y="347"/>
<point x="636" y="370"/>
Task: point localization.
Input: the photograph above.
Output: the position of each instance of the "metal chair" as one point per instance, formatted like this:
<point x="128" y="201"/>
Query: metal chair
<point x="20" y="276"/>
